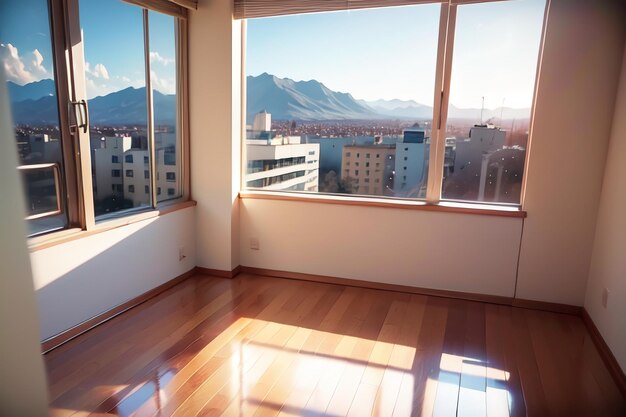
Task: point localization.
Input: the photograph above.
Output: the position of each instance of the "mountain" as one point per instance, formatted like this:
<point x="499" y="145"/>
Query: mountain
<point x="128" y="106"/>
<point x="124" y="107"/>
<point x="287" y="99"/>
<point x="31" y="91"/>
<point x="402" y="109"/>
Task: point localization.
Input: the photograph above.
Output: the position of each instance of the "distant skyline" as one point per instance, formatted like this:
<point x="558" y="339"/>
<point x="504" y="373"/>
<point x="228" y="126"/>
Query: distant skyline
<point x="113" y="44"/>
<point x="390" y="53"/>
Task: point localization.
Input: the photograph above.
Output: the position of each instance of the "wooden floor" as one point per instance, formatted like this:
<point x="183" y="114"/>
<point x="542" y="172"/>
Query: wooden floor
<point x="259" y="346"/>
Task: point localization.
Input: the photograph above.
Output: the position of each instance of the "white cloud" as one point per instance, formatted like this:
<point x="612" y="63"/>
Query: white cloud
<point x="163" y="85"/>
<point x="22" y="69"/>
<point x="156" y="57"/>
<point x="99" y="71"/>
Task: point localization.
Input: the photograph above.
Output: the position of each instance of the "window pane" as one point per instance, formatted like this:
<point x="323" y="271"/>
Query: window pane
<point x="163" y="77"/>
<point x="342" y="102"/>
<point x="486" y="144"/>
<point x="26" y="55"/>
<point x="115" y="75"/>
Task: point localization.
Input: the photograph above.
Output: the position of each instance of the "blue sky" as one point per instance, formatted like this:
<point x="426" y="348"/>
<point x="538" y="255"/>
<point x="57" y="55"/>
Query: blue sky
<point x="113" y="43"/>
<point x="379" y="53"/>
<point x="390" y="53"/>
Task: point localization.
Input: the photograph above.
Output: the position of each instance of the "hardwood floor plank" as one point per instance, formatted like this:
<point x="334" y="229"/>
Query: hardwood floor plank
<point x="261" y="346"/>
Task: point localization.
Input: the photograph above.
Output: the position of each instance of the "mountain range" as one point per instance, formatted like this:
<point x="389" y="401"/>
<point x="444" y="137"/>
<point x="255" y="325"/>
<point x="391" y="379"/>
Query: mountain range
<point x="36" y="103"/>
<point x="284" y="98"/>
<point x="287" y="99"/>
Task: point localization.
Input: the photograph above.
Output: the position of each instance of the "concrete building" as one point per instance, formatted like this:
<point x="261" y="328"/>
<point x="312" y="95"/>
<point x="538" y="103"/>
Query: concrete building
<point x="120" y="170"/>
<point x="282" y="163"/>
<point x="262" y="122"/>
<point x="467" y="174"/>
<point x="411" y="168"/>
<point x="369" y="169"/>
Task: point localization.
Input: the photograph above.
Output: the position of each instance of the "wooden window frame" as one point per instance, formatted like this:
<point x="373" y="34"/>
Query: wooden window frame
<point x="443" y="70"/>
<point x="76" y="185"/>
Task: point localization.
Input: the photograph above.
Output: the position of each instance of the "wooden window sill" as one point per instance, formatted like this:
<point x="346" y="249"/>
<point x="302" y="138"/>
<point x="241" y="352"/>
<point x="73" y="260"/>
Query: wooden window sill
<point x="443" y="207"/>
<point x="68" y="235"/>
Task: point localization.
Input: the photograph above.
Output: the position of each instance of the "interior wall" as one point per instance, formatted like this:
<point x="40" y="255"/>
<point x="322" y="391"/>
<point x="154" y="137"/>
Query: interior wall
<point x="80" y="279"/>
<point x="574" y="107"/>
<point x="458" y="252"/>
<point x="214" y="83"/>
<point x="582" y="56"/>
<point x="608" y="263"/>
<point x="23" y="389"/>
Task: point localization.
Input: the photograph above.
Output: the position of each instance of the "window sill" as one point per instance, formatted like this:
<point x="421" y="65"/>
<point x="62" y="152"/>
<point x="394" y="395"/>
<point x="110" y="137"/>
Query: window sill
<point x="68" y="235"/>
<point x="443" y="207"/>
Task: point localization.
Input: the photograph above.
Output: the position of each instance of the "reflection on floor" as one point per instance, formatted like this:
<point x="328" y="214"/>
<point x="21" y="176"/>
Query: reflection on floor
<point x="259" y="346"/>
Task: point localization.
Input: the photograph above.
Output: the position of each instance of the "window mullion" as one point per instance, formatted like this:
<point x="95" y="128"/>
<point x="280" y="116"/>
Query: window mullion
<point x="440" y="108"/>
<point x="78" y="93"/>
<point x="150" y="107"/>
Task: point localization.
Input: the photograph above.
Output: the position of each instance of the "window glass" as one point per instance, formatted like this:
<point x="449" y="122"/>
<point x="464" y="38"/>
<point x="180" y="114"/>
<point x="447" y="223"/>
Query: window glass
<point x="115" y="75"/>
<point x="26" y="55"/>
<point x="349" y="85"/>
<point x="491" y="93"/>
<point x="163" y="77"/>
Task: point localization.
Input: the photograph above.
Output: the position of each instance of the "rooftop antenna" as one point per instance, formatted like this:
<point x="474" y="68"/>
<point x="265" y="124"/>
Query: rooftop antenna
<point x="482" y="108"/>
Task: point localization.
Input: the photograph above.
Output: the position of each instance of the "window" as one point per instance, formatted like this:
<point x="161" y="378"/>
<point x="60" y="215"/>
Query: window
<point x="44" y="84"/>
<point x="146" y="175"/>
<point x="399" y="112"/>
<point x="170" y="176"/>
<point x="129" y="173"/>
<point x="147" y="189"/>
<point x="31" y="80"/>
<point x="131" y="188"/>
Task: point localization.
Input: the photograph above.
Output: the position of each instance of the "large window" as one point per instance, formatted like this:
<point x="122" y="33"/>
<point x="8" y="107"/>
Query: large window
<point x="426" y="101"/>
<point x="94" y="129"/>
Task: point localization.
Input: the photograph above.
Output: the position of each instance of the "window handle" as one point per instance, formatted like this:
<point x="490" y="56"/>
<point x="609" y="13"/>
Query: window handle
<point x="82" y="119"/>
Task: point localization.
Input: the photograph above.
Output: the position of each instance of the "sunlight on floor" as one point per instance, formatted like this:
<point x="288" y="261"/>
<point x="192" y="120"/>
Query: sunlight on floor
<point x="469" y="386"/>
<point x="264" y="367"/>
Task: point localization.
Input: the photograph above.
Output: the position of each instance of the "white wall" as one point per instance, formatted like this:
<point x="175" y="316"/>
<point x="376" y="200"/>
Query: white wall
<point x="575" y="99"/>
<point x="584" y="41"/>
<point x="608" y="263"/>
<point x="459" y="252"/>
<point x="80" y="279"/>
<point x="214" y="81"/>
<point x="22" y="377"/>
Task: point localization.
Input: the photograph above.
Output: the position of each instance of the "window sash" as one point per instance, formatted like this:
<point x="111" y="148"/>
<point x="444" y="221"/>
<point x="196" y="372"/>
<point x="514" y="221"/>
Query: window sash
<point x="447" y="29"/>
<point x="75" y="184"/>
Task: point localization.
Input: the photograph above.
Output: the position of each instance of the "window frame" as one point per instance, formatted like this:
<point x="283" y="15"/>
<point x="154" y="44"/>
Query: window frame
<point x="434" y="186"/>
<point x="76" y="185"/>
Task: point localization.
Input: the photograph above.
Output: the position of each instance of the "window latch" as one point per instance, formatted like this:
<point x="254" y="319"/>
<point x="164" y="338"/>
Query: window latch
<point x="81" y="114"/>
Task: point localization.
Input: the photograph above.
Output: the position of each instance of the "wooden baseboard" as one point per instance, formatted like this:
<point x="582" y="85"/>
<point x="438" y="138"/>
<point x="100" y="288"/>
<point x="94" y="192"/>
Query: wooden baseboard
<point x="219" y="272"/>
<point x="64" y="337"/>
<point x="605" y="352"/>
<point x="492" y="299"/>
<point x="545" y="306"/>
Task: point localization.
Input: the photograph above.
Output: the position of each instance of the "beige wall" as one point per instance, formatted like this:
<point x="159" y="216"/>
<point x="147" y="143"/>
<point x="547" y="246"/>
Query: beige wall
<point x="581" y="61"/>
<point x="214" y="82"/>
<point x="476" y="254"/>
<point x="608" y="263"/>
<point x="83" y="278"/>
<point x="22" y="378"/>
<point x="575" y="98"/>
